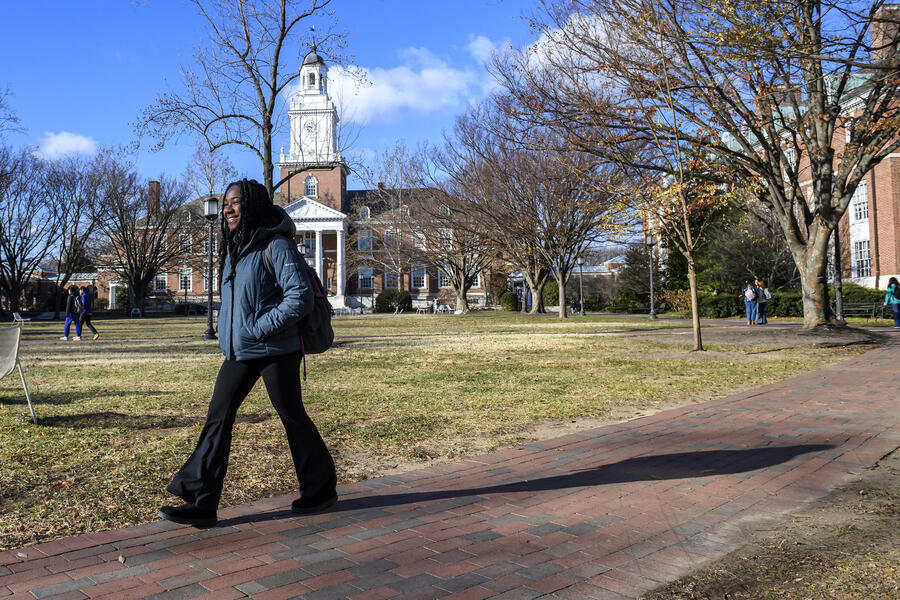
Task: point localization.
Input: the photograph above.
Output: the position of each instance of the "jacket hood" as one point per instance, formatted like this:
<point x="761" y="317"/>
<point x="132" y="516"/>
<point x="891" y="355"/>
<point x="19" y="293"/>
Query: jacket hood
<point x="284" y="227"/>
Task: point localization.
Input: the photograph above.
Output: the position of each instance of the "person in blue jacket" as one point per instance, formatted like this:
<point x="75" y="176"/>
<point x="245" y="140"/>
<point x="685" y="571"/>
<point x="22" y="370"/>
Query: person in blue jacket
<point x="258" y="335"/>
<point x="892" y="297"/>
<point x="73" y="308"/>
<point x="87" y="311"/>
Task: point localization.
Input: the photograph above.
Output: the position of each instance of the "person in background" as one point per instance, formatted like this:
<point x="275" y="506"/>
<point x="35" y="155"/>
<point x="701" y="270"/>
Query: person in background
<point x="750" y="294"/>
<point x="892" y="297"/>
<point x="763" y="296"/>
<point x="73" y="310"/>
<point x="87" y="311"/>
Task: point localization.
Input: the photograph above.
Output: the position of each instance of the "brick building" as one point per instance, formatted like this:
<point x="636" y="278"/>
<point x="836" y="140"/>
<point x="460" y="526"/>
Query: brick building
<point x="316" y="197"/>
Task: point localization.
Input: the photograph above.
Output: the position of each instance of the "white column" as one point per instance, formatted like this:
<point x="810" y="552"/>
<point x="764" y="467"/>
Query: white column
<point x="340" y="262"/>
<point x="319" y="256"/>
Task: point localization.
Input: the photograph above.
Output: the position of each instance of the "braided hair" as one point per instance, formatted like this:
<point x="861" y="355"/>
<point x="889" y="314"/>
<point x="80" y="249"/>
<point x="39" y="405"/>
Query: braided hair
<point x="257" y="211"/>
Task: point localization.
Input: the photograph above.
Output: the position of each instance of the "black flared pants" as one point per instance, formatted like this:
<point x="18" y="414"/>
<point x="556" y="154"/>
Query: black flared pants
<point x="200" y="480"/>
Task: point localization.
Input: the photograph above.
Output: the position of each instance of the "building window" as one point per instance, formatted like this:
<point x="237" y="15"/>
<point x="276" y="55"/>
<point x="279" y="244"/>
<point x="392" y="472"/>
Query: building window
<point x="364" y="212"/>
<point x="215" y="243"/>
<point x="206" y="280"/>
<point x="391" y="238"/>
<point x="365" y="278"/>
<point x="311" y="78"/>
<point x="161" y="282"/>
<point x="418" y="277"/>
<point x="445" y="239"/>
<point x="418" y="240"/>
<point x="476" y="283"/>
<point x="185" y="242"/>
<point x="329" y="284"/>
<point x="443" y="279"/>
<point x="312" y="186"/>
<point x="309" y="242"/>
<point x="860" y="203"/>
<point x="185" y="277"/>
<point x="364" y="242"/>
<point x="861" y="259"/>
<point x="391" y="280"/>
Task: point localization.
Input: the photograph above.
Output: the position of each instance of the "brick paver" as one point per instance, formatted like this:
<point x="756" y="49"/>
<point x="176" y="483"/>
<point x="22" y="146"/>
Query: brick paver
<point x="608" y="513"/>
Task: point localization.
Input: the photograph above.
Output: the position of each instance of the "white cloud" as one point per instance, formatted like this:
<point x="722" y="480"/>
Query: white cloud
<point x="483" y="48"/>
<point x="56" y="145"/>
<point x="423" y="84"/>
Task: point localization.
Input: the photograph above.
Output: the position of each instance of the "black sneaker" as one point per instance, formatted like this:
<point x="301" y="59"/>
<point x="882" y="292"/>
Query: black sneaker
<point x="188" y="514"/>
<point x="317" y="503"/>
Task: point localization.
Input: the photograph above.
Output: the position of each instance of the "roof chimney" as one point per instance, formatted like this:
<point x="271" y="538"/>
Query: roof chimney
<point x="153" y="197"/>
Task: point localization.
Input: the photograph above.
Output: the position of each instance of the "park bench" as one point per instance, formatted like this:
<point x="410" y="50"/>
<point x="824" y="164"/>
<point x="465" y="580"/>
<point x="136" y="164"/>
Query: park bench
<point x="19" y="318"/>
<point x="869" y="310"/>
<point x="9" y="358"/>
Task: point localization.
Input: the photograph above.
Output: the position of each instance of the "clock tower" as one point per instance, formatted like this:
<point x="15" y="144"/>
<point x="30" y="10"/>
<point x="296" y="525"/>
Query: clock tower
<point x="314" y="163"/>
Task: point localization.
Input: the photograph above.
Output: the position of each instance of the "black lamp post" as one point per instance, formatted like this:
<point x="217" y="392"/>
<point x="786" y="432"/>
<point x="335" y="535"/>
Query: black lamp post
<point x="650" y="240"/>
<point x="580" y="261"/>
<point x="211" y="212"/>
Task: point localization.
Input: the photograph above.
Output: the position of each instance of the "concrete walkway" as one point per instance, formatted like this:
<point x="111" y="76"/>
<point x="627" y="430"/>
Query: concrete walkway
<point x="608" y="513"/>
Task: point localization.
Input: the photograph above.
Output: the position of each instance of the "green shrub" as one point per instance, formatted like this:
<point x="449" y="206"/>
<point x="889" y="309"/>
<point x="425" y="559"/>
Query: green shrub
<point x="721" y="306"/>
<point x="551" y="294"/>
<point x="390" y="301"/>
<point x="594" y="304"/>
<point x="509" y="301"/>
<point x="785" y="304"/>
<point x="675" y="300"/>
<point x="101" y="303"/>
<point x="857" y="293"/>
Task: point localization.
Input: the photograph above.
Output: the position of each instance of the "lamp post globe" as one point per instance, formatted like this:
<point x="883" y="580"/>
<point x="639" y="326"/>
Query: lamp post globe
<point x="211" y="213"/>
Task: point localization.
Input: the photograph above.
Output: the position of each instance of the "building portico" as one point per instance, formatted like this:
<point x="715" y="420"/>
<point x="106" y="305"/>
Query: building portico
<point x="322" y="230"/>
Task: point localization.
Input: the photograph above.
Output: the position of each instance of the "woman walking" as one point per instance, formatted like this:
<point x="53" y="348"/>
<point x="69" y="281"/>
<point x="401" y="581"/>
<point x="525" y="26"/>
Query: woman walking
<point x="892" y="297"/>
<point x="73" y="310"/>
<point x="87" y="311"/>
<point x="259" y="338"/>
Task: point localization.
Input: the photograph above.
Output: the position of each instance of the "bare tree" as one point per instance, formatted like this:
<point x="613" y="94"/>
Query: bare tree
<point x="452" y="240"/>
<point x="474" y="163"/>
<point x="383" y="236"/>
<point x="233" y="93"/>
<point x="771" y="90"/>
<point x="73" y="185"/>
<point x="549" y="202"/>
<point x="8" y="120"/>
<point x="30" y="221"/>
<point x="208" y="173"/>
<point x="148" y="228"/>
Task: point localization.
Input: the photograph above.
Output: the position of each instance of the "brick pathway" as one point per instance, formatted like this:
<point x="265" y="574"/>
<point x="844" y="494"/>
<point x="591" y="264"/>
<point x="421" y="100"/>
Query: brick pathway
<point x="608" y="513"/>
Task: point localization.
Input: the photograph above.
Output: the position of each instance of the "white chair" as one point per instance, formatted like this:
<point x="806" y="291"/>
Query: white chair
<point x="19" y="318"/>
<point x="9" y="359"/>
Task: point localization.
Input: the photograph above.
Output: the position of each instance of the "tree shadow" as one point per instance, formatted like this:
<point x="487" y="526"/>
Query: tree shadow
<point x="17" y="396"/>
<point x="681" y="465"/>
<point x="109" y="419"/>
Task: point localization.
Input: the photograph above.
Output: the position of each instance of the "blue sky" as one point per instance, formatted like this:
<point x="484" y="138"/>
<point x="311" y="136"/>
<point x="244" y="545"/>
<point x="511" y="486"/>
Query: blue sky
<point x="82" y="71"/>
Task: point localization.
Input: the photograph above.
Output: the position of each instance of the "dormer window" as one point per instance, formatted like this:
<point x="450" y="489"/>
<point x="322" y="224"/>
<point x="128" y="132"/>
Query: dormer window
<point x="312" y="80"/>
<point x="364" y="212"/>
<point x="312" y="185"/>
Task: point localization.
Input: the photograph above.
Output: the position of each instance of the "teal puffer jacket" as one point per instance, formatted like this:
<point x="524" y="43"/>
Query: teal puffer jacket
<point x="258" y="318"/>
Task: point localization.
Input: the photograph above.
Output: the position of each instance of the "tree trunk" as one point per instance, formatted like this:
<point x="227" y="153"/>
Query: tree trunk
<point x="695" y="302"/>
<point x="462" y="303"/>
<point x="813" y="268"/>
<point x="537" y="298"/>
<point x="563" y="313"/>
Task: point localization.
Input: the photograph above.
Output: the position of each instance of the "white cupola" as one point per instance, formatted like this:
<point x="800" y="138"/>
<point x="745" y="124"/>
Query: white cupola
<point x="313" y="118"/>
<point x="313" y="74"/>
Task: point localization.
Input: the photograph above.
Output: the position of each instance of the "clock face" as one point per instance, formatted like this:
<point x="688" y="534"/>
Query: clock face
<point x="310" y="126"/>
